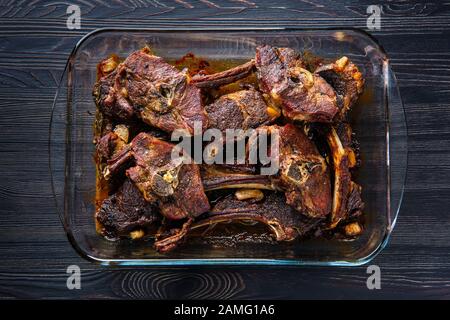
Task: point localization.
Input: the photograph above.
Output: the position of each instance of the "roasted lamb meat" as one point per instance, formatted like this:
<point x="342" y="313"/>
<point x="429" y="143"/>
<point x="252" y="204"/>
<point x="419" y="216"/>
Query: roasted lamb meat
<point x="303" y="174"/>
<point x="112" y="142"/>
<point x="347" y="81"/>
<point x="126" y="211"/>
<point x="175" y="186"/>
<point x="243" y="109"/>
<point x="282" y="221"/>
<point x="300" y="94"/>
<point x="149" y="186"/>
<point x="146" y="86"/>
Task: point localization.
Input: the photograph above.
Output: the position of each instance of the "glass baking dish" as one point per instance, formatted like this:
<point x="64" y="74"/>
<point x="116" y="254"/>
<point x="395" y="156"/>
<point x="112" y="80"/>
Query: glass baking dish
<point x="378" y="121"/>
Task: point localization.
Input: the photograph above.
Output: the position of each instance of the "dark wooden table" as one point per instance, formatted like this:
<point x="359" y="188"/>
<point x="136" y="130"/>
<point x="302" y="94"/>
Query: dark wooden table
<point x="34" y="251"/>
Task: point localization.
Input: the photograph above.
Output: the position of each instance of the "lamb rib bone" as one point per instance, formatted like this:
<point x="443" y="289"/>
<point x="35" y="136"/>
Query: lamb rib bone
<point x="174" y="185"/>
<point x="342" y="177"/>
<point x="282" y="220"/>
<point x="225" y="77"/>
<point x="347" y="81"/>
<point x="303" y="174"/>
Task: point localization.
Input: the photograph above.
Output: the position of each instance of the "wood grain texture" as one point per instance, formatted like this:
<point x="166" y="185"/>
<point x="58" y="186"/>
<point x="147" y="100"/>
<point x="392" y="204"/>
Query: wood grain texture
<point x="34" y="251"/>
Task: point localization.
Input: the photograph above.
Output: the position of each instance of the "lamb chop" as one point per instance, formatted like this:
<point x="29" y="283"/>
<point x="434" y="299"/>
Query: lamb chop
<point x="346" y="80"/>
<point x="282" y="220"/>
<point x="243" y="109"/>
<point x="300" y="94"/>
<point x="126" y="211"/>
<point x="175" y="186"/>
<point x="303" y="174"/>
<point x="146" y="86"/>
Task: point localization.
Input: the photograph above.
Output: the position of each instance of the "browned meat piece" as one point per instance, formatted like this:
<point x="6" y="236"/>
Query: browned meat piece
<point x="285" y="223"/>
<point x="347" y="81"/>
<point x="106" y="145"/>
<point x="175" y="186"/>
<point x="224" y="77"/>
<point x="355" y="205"/>
<point x="125" y="211"/>
<point x="282" y="220"/>
<point x="243" y="109"/>
<point x="343" y="151"/>
<point x="303" y="174"/>
<point x="342" y="177"/>
<point x="300" y="94"/>
<point x="104" y="93"/>
<point x="110" y="101"/>
<point x="169" y="239"/>
<point x="111" y="143"/>
<point x="147" y="86"/>
<point x="349" y="143"/>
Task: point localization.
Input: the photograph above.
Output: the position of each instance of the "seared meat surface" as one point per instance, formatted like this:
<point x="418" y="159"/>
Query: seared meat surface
<point x="110" y="100"/>
<point x="304" y="175"/>
<point x="112" y="142"/>
<point x="281" y="219"/>
<point x="346" y="80"/>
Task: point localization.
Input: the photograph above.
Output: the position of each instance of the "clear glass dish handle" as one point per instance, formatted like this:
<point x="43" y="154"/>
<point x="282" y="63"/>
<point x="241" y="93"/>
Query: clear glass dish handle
<point x="57" y="144"/>
<point x="397" y="147"/>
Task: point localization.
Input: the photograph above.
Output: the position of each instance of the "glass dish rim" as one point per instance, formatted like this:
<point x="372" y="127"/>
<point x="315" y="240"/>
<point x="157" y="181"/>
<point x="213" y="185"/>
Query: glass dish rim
<point x="240" y="261"/>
